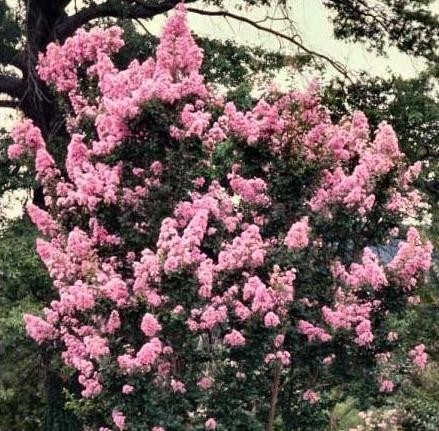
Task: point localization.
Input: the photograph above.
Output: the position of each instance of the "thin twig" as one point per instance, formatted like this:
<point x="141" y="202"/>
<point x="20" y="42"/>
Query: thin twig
<point x="334" y="63"/>
<point x="274" y="397"/>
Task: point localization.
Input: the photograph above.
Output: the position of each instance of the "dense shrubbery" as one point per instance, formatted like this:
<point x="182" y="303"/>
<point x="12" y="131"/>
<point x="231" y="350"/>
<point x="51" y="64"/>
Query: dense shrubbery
<point x="217" y="269"/>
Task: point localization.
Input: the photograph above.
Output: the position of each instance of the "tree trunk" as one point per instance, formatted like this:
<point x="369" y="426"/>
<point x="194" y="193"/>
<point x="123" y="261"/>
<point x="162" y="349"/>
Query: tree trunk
<point x="39" y="105"/>
<point x="274" y="397"/>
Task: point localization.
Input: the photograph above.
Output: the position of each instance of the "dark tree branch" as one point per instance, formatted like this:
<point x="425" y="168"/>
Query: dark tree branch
<point x="129" y="9"/>
<point x="433" y="187"/>
<point x="14" y="104"/>
<point x="17" y="60"/>
<point x="334" y="63"/>
<point x="12" y="86"/>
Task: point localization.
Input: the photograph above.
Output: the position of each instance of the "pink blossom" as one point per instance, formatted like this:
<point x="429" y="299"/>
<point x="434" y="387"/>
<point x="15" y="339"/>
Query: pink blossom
<point x="328" y="360"/>
<point x="279" y="340"/>
<point x="205" y="383"/>
<point x="150" y="326"/>
<point x="271" y="320"/>
<point x="245" y="250"/>
<point x="418" y="356"/>
<point x="27" y="138"/>
<point x="210" y="424"/>
<point x="234" y="338"/>
<point x="92" y="386"/>
<point x="119" y="419"/>
<point x="369" y="272"/>
<point x="311" y="396"/>
<point x="149" y="352"/>
<point x="177" y="386"/>
<point x="113" y="323"/>
<point x="38" y="329"/>
<point x="364" y="333"/>
<point x="250" y="190"/>
<point x="412" y="259"/>
<point x="386" y="386"/>
<point x="313" y="333"/>
<point x="96" y="346"/>
<point x="283" y="357"/>
<point x="298" y="235"/>
<point x="127" y="389"/>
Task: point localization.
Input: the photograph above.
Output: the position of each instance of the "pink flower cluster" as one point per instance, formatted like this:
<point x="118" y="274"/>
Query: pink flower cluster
<point x="419" y="356"/>
<point x="298" y="235"/>
<point x="312" y="333"/>
<point x="27" y="140"/>
<point x="349" y="313"/>
<point x="412" y="259"/>
<point x="57" y="66"/>
<point x="355" y="189"/>
<point x="368" y="273"/>
<point x="252" y="191"/>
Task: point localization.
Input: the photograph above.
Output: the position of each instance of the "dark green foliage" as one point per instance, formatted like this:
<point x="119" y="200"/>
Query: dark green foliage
<point x="407" y="24"/>
<point x="10" y="33"/>
<point x="24" y="286"/>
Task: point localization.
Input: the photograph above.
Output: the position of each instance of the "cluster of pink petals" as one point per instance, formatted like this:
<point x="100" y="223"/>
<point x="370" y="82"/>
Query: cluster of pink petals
<point x="42" y="220"/>
<point x="39" y="329"/>
<point x="210" y="424"/>
<point x="355" y="189"/>
<point x="312" y="332"/>
<point x="419" y="356"/>
<point x="27" y="140"/>
<point x="386" y="386"/>
<point x="298" y="235"/>
<point x="58" y="64"/>
<point x="249" y="190"/>
<point x="234" y="339"/>
<point x="349" y="313"/>
<point x="246" y="250"/>
<point x="412" y="259"/>
<point x="337" y="142"/>
<point x="367" y="273"/>
<point x="119" y="419"/>
<point x="311" y="396"/>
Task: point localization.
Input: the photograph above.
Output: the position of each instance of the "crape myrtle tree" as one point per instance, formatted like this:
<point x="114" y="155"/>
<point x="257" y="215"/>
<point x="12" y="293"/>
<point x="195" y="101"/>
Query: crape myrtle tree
<point x="216" y="268"/>
<point x="25" y="30"/>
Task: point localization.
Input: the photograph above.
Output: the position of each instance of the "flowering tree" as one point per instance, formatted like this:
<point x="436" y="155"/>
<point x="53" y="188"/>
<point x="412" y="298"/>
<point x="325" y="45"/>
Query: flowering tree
<point x="216" y="269"/>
